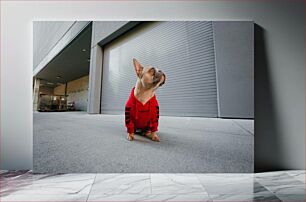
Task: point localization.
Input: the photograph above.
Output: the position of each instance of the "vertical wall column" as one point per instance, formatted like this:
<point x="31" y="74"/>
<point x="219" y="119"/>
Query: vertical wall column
<point x="36" y="94"/>
<point x="95" y="79"/>
<point x="234" y="53"/>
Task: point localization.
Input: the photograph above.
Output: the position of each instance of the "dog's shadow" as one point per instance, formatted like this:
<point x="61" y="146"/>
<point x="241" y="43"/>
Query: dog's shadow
<point x="142" y="139"/>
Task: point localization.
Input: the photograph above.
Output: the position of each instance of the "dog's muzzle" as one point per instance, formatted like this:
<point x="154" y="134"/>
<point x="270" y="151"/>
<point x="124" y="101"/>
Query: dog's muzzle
<point x="157" y="76"/>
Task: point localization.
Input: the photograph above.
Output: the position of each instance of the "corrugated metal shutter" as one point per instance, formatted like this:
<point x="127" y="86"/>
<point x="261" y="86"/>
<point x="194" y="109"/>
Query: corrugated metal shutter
<point x="184" y="50"/>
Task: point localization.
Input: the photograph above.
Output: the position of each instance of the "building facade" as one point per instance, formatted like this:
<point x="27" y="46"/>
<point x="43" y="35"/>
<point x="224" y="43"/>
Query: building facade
<point x="209" y="65"/>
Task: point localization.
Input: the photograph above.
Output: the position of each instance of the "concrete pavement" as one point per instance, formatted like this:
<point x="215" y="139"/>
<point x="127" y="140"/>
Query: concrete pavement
<point x="80" y="142"/>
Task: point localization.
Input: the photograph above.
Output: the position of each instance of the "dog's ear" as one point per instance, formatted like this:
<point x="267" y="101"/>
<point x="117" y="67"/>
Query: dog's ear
<point x="138" y="68"/>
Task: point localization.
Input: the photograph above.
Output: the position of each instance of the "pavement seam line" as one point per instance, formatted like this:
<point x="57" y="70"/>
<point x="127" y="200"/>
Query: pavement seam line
<point x="151" y="182"/>
<point x="267" y="188"/>
<point x="91" y="186"/>
<point x="199" y="180"/>
<point x="243" y="128"/>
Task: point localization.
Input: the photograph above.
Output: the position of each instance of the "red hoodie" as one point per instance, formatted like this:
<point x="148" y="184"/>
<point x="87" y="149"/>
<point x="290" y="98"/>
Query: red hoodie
<point x="139" y="116"/>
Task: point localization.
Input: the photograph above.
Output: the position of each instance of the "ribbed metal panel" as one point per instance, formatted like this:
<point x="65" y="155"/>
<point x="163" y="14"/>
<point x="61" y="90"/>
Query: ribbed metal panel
<point x="184" y="50"/>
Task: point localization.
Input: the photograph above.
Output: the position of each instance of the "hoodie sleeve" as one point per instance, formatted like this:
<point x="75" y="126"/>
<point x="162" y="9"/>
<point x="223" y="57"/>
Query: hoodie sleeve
<point x="128" y="115"/>
<point x="154" y="117"/>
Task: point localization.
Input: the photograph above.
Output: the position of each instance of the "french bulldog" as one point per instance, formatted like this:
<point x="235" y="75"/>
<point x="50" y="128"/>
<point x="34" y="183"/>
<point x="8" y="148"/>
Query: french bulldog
<point x="142" y="109"/>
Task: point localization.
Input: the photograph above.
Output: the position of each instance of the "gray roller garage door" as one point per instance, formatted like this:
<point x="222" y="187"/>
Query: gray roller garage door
<point x="184" y="50"/>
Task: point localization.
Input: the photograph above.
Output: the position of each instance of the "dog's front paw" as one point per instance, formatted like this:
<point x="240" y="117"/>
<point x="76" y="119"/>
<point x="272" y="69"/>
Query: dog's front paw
<point x="130" y="136"/>
<point x="155" y="137"/>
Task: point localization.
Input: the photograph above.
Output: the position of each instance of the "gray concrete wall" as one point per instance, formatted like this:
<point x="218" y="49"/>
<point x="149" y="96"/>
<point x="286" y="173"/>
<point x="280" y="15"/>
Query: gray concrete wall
<point x="100" y="31"/>
<point x="234" y="48"/>
<point x="234" y="52"/>
<point x="42" y="31"/>
<point x="46" y="35"/>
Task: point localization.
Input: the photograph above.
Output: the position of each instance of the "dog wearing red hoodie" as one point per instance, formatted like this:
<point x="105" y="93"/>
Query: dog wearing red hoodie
<point x="142" y="109"/>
